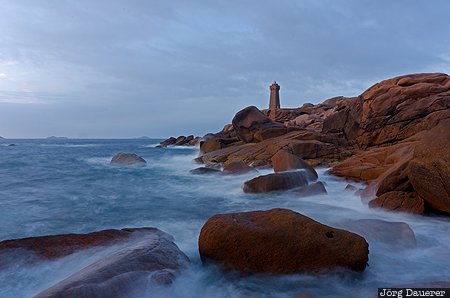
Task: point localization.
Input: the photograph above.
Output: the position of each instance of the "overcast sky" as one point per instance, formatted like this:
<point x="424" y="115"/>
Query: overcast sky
<point x="86" y="68"/>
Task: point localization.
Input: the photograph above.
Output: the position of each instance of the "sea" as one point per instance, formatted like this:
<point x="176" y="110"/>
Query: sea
<point x="50" y="186"/>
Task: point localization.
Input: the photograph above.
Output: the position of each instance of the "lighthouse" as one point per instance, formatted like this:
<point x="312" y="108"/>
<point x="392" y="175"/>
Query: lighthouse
<point x="274" y="103"/>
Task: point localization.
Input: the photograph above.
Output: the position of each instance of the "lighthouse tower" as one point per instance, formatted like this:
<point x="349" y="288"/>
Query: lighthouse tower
<point x="274" y="103"/>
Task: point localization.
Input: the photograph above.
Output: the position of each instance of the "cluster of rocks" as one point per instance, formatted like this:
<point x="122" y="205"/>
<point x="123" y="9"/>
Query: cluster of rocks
<point x="394" y="137"/>
<point x="180" y="141"/>
<point x="277" y="241"/>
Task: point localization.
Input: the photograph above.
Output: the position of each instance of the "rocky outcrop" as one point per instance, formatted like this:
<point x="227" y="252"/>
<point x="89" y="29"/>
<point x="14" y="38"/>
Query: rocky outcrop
<point x="279" y="241"/>
<point x="128" y="159"/>
<point x="252" y="126"/>
<point x="374" y="138"/>
<point x="314" y="147"/>
<point x="276" y="182"/>
<point x="393" y="110"/>
<point x="180" y="141"/>
<point x="149" y="255"/>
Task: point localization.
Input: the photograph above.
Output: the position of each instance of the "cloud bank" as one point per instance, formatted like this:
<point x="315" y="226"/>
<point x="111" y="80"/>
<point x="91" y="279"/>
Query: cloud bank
<point x="159" y="68"/>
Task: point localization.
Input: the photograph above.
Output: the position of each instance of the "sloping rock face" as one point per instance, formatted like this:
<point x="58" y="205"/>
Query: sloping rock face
<point x="128" y="159"/>
<point x="252" y="126"/>
<point x="429" y="170"/>
<point x="150" y="255"/>
<point x="57" y="246"/>
<point x="279" y="241"/>
<point x="393" y="110"/>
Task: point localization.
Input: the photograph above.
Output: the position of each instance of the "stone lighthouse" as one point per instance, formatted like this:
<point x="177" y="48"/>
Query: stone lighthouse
<point x="274" y="103"/>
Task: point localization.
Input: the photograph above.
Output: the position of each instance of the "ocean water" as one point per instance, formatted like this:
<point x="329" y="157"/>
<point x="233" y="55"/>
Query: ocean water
<point x="67" y="186"/>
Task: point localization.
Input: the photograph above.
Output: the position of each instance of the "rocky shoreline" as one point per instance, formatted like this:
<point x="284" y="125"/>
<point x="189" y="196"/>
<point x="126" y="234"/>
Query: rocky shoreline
<point x="394" y="137"/>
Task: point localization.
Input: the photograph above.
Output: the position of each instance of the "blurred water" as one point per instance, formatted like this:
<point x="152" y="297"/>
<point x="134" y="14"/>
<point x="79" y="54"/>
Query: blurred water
<point x="67" y="186"/>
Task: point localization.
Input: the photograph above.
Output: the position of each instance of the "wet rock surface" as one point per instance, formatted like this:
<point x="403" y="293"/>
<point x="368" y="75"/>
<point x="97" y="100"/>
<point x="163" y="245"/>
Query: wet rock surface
<point x="279" y="241"/>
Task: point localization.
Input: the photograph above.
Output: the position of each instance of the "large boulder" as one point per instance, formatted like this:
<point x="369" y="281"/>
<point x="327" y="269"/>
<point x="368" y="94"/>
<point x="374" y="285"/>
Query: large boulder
<point x="149" y="256"/>
<point x="128" y="159"/>
<point x="276" y="182"/>
<point x="429" y="170"/>
<point x="284" y="160"/>
<point x="279" y="241"/>
<point x="252" y="126"/>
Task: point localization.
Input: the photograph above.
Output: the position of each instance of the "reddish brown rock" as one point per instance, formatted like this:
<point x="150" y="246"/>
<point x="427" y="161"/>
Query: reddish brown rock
<point x="275" y="182"/>
<point x="283" y="160"/>
<point x="429" y="170"/>
<point x="237" y="167"/>
<point x="399" y="201"/>
<point x="279" y="241"/>
<point x="150" y="255"/>
<point x="397" y="234"/>
<point x="313" y="189"/>
<point x="128" y="159"/>
<point x="252" y="126"/>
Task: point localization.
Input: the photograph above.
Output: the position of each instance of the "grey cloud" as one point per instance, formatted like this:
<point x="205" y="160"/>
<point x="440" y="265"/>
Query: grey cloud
<point x="158" y="68"/>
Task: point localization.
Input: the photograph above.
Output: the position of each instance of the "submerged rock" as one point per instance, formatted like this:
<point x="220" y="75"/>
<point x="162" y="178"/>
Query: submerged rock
<point x="276" y="182"/>
<point x="313" y="189"/>
<point x="205" y="170"/>
<point x="150" y="255"/>
<point x="397" y="234"/>
<point x="127" y="159"/>
<point x="279" y="241"/>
